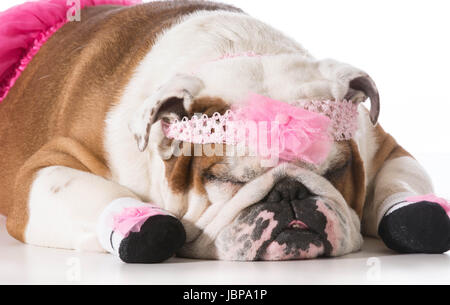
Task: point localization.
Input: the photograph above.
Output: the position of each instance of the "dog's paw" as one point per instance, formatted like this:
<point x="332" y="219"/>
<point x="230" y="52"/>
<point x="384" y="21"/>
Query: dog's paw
<point x="160" y="237"/>
<point x="422" y="227"/>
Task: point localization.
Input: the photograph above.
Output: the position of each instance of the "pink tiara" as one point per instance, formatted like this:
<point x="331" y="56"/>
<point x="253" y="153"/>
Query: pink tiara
<point x="304" y="132"/>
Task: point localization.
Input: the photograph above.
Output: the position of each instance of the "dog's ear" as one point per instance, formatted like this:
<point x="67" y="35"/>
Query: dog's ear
<point x="367" y="86"/>
<point x="169" y="102"/>
<point x="358" y="85"/>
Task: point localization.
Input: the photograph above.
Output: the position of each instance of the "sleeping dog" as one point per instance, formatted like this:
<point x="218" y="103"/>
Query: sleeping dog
<point x="87" y="165"/>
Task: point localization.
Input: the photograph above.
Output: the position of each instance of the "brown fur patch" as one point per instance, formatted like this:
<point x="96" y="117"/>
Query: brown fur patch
<point x="61" y="152"/>
<point x="186" y="172"/>
<point x="67" y="90"/>
<point x="388" y="149"/>
<point x="350" y="180"/>
<point x="348" y="177"/>
<point x="209" y="106"/>
<point x="179" y="173"/>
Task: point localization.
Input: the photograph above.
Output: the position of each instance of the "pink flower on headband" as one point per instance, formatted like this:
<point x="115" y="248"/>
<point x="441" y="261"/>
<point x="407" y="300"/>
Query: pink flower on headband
<point x="302" y="134"/>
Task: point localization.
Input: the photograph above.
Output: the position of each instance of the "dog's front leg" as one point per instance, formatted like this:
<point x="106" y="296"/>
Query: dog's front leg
<point x="407" y="221"/>
<point x="70" y="208"/>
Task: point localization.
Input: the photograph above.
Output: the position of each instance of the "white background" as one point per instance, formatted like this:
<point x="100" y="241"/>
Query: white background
<point x="403" y="44"/>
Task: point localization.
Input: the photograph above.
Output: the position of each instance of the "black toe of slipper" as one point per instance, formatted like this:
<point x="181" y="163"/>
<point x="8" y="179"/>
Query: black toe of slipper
<point x="159" y="239"/>
<point x="422" y="227"/>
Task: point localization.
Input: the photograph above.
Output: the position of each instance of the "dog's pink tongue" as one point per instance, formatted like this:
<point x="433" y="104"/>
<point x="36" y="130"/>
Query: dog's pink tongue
<point x="297" y="224"/>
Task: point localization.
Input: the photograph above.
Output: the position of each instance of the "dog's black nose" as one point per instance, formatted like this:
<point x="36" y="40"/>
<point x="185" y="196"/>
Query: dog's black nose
<point x="288" y="189"/>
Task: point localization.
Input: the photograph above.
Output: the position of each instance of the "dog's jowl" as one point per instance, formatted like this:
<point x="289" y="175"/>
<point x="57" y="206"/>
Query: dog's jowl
<point x="191" y="128"/>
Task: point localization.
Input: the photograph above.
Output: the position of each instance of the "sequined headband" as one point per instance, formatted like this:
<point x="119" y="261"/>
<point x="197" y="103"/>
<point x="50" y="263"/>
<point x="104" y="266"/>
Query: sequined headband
<point x="303" y="131"/>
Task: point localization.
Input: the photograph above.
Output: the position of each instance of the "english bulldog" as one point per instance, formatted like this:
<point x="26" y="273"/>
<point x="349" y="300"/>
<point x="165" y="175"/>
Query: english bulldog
<point x="83" y="146"/>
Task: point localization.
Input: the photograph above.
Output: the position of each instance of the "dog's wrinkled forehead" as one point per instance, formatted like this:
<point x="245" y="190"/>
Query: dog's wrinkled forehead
<point x="288" y="77"/>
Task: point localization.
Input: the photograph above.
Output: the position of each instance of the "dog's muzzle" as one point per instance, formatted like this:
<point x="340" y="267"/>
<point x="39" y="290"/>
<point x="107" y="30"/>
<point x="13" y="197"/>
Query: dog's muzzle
<point x="287" y="224"/>
<point x="288" y="213"/>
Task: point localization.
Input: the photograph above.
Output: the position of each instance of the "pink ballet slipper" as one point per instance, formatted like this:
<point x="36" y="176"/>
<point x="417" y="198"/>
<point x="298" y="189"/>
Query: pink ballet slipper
<point x="431" y="198"/>
<point x="132" y="219"/>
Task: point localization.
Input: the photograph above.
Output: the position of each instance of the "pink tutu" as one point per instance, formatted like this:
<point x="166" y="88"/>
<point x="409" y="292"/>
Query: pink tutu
<point x="26" y="27"/>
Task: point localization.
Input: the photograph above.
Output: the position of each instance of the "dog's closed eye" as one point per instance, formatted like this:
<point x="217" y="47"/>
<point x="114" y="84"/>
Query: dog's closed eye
<point x="220" y="172"/>
<point x="223" y="179"/>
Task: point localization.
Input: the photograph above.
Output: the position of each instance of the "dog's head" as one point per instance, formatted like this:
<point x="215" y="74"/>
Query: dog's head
<point x="234" y="207"/>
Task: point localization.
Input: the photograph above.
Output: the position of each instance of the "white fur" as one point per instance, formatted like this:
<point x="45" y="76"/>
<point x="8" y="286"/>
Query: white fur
<point x="366" y="140"/>
<point x="64" y="206"/>
<point x="196" y="207"/>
